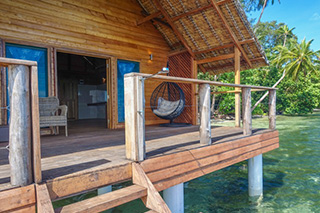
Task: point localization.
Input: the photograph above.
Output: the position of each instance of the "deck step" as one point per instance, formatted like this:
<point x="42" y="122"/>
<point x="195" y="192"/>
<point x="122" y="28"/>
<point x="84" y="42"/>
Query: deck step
<point x="106" y="201"/>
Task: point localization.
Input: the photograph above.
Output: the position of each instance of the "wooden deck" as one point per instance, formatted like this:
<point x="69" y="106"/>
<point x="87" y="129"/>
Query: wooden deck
<point x="91" y="147"/>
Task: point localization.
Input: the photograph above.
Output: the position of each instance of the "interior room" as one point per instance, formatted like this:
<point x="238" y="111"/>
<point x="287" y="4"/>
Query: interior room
<point x="82" y="87"/>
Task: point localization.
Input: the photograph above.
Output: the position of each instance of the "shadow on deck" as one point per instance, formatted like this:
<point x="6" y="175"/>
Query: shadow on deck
<point x="92" y="147"/>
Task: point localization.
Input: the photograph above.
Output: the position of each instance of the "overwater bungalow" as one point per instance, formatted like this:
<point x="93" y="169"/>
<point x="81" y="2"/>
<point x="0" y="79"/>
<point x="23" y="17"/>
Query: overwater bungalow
<point x="85" y="86"/>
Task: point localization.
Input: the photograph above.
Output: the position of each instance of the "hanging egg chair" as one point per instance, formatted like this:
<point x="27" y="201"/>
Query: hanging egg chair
<point x="167" y="101"/>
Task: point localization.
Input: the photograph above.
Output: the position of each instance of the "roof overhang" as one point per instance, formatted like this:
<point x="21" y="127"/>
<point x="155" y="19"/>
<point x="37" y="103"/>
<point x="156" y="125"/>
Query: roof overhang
<point x="209" y="30"/>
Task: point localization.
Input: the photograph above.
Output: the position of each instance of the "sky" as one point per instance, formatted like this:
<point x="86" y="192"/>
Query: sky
<point x="304" y="15"/>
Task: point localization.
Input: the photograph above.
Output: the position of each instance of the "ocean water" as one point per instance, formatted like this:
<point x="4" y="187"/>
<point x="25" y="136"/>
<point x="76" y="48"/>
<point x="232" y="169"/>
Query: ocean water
<point x="291" y="176"/>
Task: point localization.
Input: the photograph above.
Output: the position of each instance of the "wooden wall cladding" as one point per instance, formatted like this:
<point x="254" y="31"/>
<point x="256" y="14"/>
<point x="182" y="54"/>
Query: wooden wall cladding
<point x="181" y="65"/>
<point x="96" y="27"/>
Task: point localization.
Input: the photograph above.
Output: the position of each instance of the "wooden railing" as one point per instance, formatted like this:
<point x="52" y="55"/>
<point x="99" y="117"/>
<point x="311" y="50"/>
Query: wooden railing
<point x="24" y="131"/>
<point x="135" y="109"/>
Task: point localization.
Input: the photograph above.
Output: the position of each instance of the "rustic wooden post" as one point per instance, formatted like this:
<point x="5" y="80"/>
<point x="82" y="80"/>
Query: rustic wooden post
<point x="237" y="113"/>
<point x="246" y="111"/>
<point x="20" y="125"/>
<point x="272" y="109"/>
<point x="205" y="122"/>
<point x="134" y="117"/>
<point x="36" y="147"/>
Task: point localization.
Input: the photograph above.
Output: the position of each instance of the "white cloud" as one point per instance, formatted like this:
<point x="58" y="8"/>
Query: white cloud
<point x="315" y="17"/>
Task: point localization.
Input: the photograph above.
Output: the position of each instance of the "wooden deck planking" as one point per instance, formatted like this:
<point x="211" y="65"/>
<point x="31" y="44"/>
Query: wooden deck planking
<point x="95" y="149"/>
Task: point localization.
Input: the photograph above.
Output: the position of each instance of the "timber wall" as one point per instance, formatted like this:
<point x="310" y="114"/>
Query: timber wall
<point x="95" y="28"/>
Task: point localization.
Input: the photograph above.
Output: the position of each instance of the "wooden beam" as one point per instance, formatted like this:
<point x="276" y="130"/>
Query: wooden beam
<point x="106" y="201"/>
<point x="246" y="111"/>
<point x="160" y="22"/>
<point x="192" y="81"/>
<point x="44" y="204"/>
<point x="173" y="26"/>
<point x="173" y="53"/>
<point x="145" y="19"/>
<point x="233" y="36"/>
<point x="197" y="10"/>
<point x="225" y="46"/>
<point x="217" y="58"/>
<point x="153" y="200"/>
<point x="205" y="117"/>
<point x="17" y="198"/>
<point x="237" y="81"/>
<point x="9" y="61"/>
<point x="272" y="109"/>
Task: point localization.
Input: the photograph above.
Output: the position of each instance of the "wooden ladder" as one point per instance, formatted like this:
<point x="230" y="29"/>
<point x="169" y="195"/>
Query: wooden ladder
<point x="142" y="188"/>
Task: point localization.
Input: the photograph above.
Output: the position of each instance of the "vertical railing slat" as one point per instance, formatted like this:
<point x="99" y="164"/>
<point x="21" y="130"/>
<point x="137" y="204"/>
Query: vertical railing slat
<point x="272" y="109"/>
<point x="246" y="111"/>
<point x="36" y="146"/>
<point x="205" y="122"/>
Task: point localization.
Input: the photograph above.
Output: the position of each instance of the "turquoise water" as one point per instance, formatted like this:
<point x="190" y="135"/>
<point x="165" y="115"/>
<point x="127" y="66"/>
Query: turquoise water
<point x="291" y="176"/>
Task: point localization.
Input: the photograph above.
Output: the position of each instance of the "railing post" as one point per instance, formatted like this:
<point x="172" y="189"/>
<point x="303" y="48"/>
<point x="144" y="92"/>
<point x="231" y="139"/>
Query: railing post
<point x="205" y="122"/>
<point x="246" y="111"/>
<point x="20" y="125"/>
<point x="272" y="109"/>
<point x="36" y="145"/>
<point x="134" y="117"/>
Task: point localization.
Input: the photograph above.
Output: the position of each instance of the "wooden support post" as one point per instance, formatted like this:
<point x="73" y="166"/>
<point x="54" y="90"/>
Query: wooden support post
<point x="255" y="176"/>
<point x="134" y="117"/>
<point x="205" y="122"/>
<point x="237" y="81"/>
<point x="36" y="146"/>
<point x="272" y="109"/>
<point x="194" y="102"/>
<point x="20" y="125"/>
<point x="246" y="111"/>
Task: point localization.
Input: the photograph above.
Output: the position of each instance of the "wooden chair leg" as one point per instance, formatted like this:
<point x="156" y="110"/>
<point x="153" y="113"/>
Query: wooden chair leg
<point x="66" y="130"/>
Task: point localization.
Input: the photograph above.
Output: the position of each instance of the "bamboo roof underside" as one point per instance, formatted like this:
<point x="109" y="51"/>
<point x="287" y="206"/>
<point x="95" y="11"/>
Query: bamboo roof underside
<point x="208" y="30"/>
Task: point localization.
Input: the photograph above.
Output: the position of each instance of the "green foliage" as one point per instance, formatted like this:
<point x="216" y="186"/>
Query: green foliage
<point x="298" y="92"/>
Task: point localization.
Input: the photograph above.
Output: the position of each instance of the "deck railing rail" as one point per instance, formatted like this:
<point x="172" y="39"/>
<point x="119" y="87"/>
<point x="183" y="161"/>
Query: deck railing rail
<point x="24" y="131"/>
<point x="135" y="109"/>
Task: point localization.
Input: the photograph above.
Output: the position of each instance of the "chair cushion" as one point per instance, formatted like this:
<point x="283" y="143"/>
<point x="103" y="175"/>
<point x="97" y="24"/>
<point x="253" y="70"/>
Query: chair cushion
<point x="166" y="107"/>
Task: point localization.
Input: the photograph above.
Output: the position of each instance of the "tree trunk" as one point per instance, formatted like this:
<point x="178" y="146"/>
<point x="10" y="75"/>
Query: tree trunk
<point x="213" y="97"/>
<point x="264" y="6"/>
<point x="265" y="95"/>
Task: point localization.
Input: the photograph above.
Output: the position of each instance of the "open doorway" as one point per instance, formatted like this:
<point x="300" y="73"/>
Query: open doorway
<point x="82" y="86"/>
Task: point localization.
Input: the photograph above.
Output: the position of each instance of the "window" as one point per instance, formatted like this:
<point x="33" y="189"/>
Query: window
<point x="124" y="67"/>
<point x="34" y="54"/>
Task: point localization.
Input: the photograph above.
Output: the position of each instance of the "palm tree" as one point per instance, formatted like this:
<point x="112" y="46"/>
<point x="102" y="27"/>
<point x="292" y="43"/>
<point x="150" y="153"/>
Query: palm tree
<point x="286" y="33"/>
<point x="298" y="58"/>
<point x="294" y="59"/>
<point x="263" y="3"/>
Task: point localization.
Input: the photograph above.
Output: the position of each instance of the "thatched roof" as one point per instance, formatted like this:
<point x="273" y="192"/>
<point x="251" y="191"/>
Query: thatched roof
<point x="209" y="30"/>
